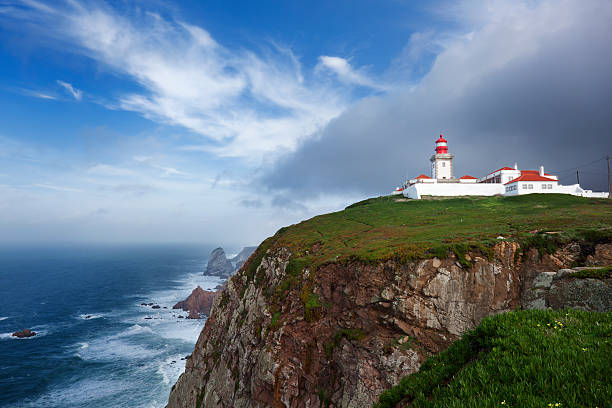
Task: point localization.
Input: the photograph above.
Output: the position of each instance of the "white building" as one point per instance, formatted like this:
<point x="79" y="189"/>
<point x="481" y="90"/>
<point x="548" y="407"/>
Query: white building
<point x="505" y="181"/>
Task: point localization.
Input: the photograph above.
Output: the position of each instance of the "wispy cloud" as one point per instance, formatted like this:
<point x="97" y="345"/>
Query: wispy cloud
<point x="244" y="103"/>
<point x="108" y="170"/>
<point x="58" y="188"/>
<point x="347" y="74"/>
<point x="76" y="93"/>
<point x="171" y="171"/>
<point x="38" y="94"/>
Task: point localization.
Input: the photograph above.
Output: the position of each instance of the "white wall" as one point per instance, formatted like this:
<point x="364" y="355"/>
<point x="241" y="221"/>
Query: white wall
<point x="453" y="190"/>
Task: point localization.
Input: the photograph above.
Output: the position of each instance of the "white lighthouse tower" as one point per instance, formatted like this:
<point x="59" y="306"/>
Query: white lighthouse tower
<point x="442" y="161"/>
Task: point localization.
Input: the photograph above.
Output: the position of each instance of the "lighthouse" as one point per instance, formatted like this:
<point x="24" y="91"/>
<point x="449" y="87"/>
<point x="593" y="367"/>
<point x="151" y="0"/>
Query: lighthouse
<point x="442" y="161"/>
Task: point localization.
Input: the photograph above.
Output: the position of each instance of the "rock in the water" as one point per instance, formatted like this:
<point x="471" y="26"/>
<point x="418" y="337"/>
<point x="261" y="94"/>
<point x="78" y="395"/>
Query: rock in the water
<point x="193" y="315"/>
<point x="24" y="333"/>
<point x="200" y="301"/>
<point x="219" y="265"/>
<point x="242" y="256"/>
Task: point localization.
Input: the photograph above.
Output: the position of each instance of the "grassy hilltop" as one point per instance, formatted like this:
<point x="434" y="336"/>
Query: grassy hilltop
<point x="531" y="358"/>
<point x="395" y="227"/>
<point x="518" y="359"/>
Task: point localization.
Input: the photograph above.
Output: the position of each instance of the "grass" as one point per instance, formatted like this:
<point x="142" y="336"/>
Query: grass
<point x="519" y="359"/>
<point x="596" y="273"/>
<point x="387" y="228"/>
<point x="275" y="323"/>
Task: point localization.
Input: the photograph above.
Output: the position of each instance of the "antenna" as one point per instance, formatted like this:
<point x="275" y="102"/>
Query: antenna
<point x="609" y="184"/>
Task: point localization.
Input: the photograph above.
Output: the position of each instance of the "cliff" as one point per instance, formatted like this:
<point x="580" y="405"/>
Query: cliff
<point x="335" y="310"/>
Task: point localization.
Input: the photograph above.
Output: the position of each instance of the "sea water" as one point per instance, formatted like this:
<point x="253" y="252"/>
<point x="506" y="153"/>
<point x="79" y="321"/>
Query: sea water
<point x="97" y="345"/>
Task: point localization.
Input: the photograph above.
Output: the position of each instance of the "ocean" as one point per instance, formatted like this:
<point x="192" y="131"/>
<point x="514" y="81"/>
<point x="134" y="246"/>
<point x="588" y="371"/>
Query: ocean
<point x="97" y="346"/>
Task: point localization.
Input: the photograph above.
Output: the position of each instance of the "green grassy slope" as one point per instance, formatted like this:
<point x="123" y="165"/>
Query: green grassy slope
<point x="388" y="227"/>
<point x="519" y="359"/>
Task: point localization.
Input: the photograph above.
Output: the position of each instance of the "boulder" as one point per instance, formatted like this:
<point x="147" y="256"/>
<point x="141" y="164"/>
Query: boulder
<point x="543" y="280"/>
<point x="24" y="333"/>
<point x="562" y="273"/>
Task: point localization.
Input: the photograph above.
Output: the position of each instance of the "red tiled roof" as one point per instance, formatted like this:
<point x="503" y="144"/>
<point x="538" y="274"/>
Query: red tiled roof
<point x="530" y="177"/>
<point x="523" y="172"/>
<point x="422" y="176"/>
<point x="503" y="168"/>
<point x="467" y="177"/>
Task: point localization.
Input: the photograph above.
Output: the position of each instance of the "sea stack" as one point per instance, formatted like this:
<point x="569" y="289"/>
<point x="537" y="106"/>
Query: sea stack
<point x="219" y="265"/>
<point x="199" y="302"/>
<point x="242" y="256"/>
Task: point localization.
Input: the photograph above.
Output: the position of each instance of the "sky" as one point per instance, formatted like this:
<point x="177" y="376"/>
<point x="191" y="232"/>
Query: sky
<point x="220" y="122"/>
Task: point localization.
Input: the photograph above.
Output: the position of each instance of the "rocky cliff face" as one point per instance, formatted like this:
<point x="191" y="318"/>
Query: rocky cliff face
<point x="283" y="335"/>
<point x="219" y="265"/>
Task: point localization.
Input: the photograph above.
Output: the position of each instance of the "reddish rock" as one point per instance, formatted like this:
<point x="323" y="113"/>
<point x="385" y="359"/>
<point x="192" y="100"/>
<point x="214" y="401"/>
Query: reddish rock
<point x="199" y="302"/>
<point x="24" y="333"/>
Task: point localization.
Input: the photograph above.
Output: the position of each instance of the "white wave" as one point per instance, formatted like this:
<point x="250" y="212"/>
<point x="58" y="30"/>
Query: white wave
<point x="184" y="329"/>
<point x="89" y="316"/>
<point x="79" y="394"/>
<point x="132" y="330"/>
<point x="108" y="349"/>
<point x="171" y="368"/>
<point x="3" y="318"/>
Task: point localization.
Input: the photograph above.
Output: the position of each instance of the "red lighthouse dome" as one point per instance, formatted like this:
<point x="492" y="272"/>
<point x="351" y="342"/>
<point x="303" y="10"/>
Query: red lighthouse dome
<point x="441" y="145"/>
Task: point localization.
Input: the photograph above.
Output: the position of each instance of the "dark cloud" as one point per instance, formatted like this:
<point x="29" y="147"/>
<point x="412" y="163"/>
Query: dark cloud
<point x="288" y="203"/>
<point x="536" y="90"/>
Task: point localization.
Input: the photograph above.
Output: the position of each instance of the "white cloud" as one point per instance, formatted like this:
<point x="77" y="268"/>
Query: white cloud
<point x="110" y="171"/>
<point x="38" y="94"/>
<point x="171" y="171"/>
<point x="347" y="74"/>
<point x="243" y="104"/>
<point x="58" y="188"/>
<point x="76" y="93"/>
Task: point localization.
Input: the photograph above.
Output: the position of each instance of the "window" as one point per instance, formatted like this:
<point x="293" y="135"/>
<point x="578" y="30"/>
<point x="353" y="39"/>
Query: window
<point x="524" y="186"/>
<point x="550" y="186"/>
<point x="443" y="164"/>
<point x="530" y="186"/>
<point x="544" y="187"/>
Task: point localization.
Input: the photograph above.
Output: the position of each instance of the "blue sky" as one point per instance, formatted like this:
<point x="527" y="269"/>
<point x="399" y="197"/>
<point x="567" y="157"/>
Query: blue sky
<point x="220" y="122"/>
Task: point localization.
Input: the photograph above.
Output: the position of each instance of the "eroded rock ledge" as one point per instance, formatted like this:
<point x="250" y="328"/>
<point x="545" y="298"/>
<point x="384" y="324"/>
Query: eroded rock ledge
<point x="282" y="337"/>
